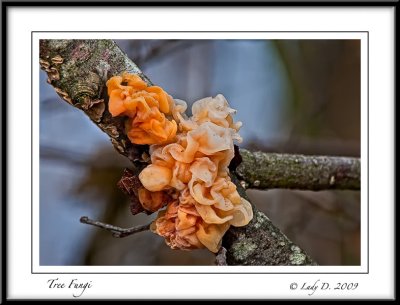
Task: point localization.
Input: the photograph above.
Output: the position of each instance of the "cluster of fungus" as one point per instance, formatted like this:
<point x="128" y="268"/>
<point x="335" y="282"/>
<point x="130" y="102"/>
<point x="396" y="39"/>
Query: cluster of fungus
<point x="190" y="156"/>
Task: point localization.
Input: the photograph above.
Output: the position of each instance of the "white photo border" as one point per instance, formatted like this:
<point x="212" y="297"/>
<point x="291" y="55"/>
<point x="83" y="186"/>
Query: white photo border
<point x="36" y="268"/>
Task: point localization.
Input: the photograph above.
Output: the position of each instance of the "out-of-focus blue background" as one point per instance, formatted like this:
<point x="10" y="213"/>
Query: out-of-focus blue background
<point x="292" y="96"/>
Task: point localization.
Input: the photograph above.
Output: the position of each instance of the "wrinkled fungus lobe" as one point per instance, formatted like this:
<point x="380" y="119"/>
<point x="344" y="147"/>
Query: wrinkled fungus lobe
<point x="189" y="162"/>
<point x="145" y="106"/>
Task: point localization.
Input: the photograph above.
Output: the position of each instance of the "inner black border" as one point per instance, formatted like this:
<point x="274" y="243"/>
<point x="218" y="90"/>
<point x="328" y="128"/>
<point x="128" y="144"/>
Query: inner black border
<point x="32" y="61"/>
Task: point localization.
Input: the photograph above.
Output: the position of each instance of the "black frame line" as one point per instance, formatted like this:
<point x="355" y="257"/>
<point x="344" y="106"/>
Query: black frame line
<point x="367" y="272"/>
<point x="208" y="3"/>
<point x="201" y="32"/>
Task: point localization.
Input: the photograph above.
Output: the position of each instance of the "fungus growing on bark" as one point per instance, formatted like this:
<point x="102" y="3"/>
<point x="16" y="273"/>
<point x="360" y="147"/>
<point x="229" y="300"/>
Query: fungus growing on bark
<point x="189" y="159"/>
<point x="145" y="106"/>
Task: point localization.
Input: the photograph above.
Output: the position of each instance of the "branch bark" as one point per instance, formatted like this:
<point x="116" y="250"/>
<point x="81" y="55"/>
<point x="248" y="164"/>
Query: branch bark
<point x="262" y="170"/>
<point x="260" y="242"/>
<point x="78" y="70"/>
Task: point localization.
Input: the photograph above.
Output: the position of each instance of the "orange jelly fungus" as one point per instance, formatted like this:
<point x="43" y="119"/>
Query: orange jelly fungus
<point x="145" y="106"/>
<point x="189" y="162"/>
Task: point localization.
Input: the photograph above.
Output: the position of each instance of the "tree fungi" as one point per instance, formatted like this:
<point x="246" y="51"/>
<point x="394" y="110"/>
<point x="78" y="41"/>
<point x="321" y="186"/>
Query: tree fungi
<point x="189" y="162"/>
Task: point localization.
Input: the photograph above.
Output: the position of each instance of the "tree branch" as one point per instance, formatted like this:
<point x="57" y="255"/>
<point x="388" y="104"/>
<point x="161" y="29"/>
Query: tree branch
<point x="267" y="170"/>
<point x="116" y="231"/>
<point x="260" y="242"/>
<point x="78" y="70"/>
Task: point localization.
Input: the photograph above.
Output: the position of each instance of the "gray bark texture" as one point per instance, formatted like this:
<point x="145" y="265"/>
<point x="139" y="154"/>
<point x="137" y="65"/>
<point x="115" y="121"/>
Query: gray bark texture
<point x="261" y="170"/>
<point x="78" y="70"/>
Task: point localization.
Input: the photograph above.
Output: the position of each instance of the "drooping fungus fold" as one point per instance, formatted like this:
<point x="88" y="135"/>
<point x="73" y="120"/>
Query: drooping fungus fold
<point x="152" y="201"/>
<point x="178" y="224"/>
<point x="189" y="162"/>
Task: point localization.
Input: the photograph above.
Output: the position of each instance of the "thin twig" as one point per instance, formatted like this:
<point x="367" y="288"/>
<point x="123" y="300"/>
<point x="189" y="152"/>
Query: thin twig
<point x="116" y="231"/>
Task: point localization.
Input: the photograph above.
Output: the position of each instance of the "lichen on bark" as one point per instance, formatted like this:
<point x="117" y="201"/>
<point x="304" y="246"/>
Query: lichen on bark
<point x="269" y="170"/>
<point x="261" y="243"/>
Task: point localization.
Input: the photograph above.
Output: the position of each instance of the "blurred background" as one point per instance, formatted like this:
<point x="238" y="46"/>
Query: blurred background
<point x="293" y="96"/>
